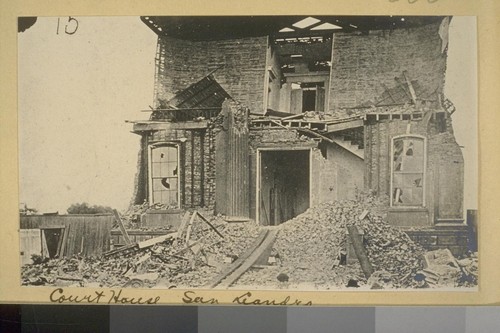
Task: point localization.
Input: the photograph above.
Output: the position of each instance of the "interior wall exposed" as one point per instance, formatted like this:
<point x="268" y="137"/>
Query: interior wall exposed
<point x="284" y="185"/>
<point x="303" y="69"/>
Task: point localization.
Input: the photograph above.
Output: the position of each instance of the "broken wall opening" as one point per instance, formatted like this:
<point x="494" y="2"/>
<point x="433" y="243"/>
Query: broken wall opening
<point x="299" y="73"/>
<point x="284" y="185"/>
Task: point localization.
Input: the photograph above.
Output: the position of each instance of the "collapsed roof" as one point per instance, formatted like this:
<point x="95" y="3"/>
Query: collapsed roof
<point x="229" y="27"/>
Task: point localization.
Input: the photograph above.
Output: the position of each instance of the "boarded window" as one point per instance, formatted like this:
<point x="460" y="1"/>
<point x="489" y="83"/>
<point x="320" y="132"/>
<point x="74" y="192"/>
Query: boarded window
<point x="164" y="175"/>
<point x="408" y="165"/>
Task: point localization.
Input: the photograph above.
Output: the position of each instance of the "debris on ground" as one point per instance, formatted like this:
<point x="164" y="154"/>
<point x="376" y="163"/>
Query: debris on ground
<point x="309" y="252"/>
<point x="311" y="245"/>
<point x="442" y="269"/>
<point x="171" y="262"/>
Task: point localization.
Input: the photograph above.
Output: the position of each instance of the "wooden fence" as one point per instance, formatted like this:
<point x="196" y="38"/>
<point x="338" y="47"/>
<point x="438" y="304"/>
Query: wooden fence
<point x="88" y="235"/>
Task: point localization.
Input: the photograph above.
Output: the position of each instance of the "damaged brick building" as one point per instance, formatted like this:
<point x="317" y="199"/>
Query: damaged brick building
<point x="263" y="117"/>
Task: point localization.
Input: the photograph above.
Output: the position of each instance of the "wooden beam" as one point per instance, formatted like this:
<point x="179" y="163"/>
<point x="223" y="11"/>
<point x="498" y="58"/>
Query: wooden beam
<point x="189" y="226"/>
<point x="306" y="130"/>
<point x="344" y="125"/>
<point x="126" y="238"/>
<point x="210" y="224"/>
<point x="60" y="242"/>
<point x="156" y="240"/>
<point x="410" y="87"/>
<point x="360" y="251"/>
<point x="158" y="126"/>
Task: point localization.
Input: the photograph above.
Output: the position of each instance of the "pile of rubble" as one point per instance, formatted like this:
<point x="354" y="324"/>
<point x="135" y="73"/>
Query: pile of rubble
<point x="132" y="217"/>
<point x="188" y="259"/>
<point x="309" y="252"/>
<point x="442" y="269"/>
<point x="311" y="247"/>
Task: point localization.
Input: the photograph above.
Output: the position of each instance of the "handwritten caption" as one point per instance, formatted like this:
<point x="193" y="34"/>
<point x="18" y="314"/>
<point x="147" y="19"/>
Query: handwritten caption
<point x="246" y="298"/>
<point x="101" y="297"/>
<point x="59" y="295"/>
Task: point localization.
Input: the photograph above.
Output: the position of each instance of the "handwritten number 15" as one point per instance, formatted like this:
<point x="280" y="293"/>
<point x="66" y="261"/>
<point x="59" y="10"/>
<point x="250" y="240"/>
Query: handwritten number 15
<point x="71" y="26"/>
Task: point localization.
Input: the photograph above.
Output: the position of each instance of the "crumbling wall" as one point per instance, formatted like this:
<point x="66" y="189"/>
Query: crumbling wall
<point x="141" y="177"/>
<point x="363" y="63"/>
<point x="232" y="165"/>
<point x="240" y="65"/>
<point x="349" y="171"/>
<point x="196" y="165"/>
<point x="444" y="169"/>
<point x="274" y="81"/>
<point x="336" y="176"/>
<point x="324" y="179"/>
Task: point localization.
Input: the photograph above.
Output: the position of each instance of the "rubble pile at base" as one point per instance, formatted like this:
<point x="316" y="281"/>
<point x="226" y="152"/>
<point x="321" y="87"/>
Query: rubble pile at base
<point x="181" y="262"/>
<point x="311" y="251"/>
<point x="308" y="246"/>
<point x="390" y="250"/>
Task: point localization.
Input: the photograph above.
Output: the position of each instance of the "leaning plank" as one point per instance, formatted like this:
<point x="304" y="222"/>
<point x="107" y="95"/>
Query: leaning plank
<point x="357" y="243"/>
<point x="252" y="259"/>
<point x="64" y="245"/>
<point x="182" y="227"/>
<point x="238" y="261"/>
<point x="126" y="238"/>
<point x="120" y="249"/>
<point x="156" y="240"/>
<point x="210" y="224"/>
<point x="60" y="243"/>
<point x="189" y="226"/>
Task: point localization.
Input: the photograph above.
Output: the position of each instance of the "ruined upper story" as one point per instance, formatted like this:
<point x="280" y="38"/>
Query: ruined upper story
<point x="339" y="65"/>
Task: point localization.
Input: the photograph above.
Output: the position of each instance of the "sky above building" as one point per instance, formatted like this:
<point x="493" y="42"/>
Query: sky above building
<point x="77" y="88"/>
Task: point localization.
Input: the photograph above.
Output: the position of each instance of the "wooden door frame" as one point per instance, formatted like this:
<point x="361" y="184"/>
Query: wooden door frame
<point x="259" y="173"/>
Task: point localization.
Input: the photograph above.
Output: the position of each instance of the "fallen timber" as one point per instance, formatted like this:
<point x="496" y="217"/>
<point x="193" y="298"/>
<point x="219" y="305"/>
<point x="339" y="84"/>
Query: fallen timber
<point x="245" y="261"/>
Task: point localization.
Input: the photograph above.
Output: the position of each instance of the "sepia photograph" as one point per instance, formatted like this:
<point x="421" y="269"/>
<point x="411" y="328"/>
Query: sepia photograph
<point x="305" y="153"/>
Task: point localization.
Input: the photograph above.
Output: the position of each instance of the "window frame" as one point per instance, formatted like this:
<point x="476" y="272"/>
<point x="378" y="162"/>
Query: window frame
<point x="424" y="172"/>
<point x="150" y="170"/>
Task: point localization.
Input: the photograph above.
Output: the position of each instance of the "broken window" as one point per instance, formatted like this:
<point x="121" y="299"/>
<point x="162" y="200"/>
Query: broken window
<point x="164" y="188"/>
<point x="408" y="165"/>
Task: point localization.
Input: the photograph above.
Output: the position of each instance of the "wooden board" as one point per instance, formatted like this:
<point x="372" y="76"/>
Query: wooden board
<point x="31" y="243"/>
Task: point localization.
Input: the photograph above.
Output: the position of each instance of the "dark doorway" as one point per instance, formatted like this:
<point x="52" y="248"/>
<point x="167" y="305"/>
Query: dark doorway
<point x="309" y="100"/>
<point x="52" y="240"/>
<point x="284" y="185"/>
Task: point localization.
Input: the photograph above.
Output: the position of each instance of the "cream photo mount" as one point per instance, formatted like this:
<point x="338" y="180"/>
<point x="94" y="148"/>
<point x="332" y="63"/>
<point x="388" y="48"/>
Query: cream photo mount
<point x="486" y="294"/>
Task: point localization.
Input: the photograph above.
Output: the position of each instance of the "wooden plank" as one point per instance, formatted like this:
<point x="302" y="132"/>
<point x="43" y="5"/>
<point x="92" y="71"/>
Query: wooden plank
<point x="410" y="87"/>
<point x="322" y="137"/>
<point x="366" y="267"/>
<point x="240" y="260"/>
<point x="122" y="227"/>
<point x="158" y="126"/>
<point x="30" y="244"/>
<point x="345" y="125"/>
<point x="210" y="224"/>
<point x="189" y="226"/>
<point x="64" y="241"/>
<point x="60" y="242"/>
<point x="120" y="249"/>
<point x="156" y="240"/>
<point x="250" y="260"/>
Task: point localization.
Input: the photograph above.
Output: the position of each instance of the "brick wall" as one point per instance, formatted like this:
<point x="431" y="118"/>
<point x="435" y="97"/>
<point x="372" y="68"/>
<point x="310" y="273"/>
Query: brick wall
<point x="444" y="171"/>
<point x="242" y="74"/>
<point x="362" y="64"/>
<point x="196" y="165"/>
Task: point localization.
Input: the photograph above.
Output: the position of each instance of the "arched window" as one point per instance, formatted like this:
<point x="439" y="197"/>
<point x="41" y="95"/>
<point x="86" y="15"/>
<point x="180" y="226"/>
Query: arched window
<point x="164" y="175"/>
<point x="408" y="171"/>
